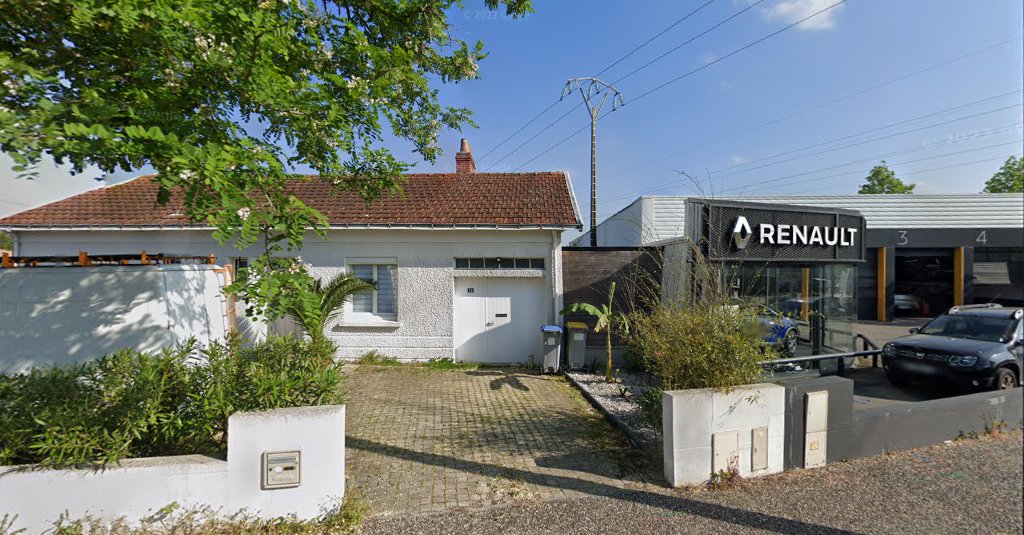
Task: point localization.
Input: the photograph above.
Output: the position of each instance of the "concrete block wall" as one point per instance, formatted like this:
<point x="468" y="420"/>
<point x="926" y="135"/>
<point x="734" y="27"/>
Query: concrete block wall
<point x="691" y="418"/>
<point x="872" y="431"/>
<point x="134" y="489"/>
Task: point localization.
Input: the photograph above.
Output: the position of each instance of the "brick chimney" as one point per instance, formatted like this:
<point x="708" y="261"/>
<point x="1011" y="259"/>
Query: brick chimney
<point x="464" y="163"/>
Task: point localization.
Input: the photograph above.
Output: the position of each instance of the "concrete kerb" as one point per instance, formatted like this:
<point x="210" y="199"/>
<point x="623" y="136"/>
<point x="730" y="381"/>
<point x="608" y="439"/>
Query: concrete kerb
<point x="652" y="450"/>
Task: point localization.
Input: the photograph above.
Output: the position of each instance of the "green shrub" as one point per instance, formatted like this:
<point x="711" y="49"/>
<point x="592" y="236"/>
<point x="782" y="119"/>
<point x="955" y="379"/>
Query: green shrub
<point x="132" y="404"/>
<point x="448" y="363"/>
<point x="707" y="344"/>
<point x="376" y="358"/>
<point x="650" y="407"/>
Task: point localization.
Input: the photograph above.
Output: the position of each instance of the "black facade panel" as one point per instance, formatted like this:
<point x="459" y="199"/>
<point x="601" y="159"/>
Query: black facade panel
<point x="726" y="239"/>
<point x="867" y="286"/>
<point x="945" y="237"/>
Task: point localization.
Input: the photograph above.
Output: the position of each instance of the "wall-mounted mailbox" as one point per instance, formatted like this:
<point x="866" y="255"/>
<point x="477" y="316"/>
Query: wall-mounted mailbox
<point x="282" y="469"/>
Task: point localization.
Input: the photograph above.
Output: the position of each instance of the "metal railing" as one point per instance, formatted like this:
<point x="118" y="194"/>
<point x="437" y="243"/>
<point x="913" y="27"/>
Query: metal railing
<point x="870" y="349"/>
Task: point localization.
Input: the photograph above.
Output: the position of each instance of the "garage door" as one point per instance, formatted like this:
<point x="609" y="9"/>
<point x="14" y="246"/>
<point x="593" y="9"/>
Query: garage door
<point x="497" y="320"/>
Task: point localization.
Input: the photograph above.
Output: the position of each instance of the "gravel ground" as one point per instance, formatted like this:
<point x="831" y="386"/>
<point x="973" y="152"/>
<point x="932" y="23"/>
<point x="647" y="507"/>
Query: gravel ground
<point x="970" y="486"/>
<point x="609" y="396"/>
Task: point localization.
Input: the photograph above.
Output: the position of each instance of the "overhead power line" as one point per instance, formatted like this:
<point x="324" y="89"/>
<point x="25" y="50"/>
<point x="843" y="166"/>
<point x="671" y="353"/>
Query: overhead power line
<point x="599" y="73"/>
<point x="521" y="128"/>
<point x="738" y="50"/>
<point x="914" y="174"/>
<point x="657" y="35"/>
<point x="805" y="111"/>
<point x="999" y="130"/>
<point x="865" y="160"/>
<point x="713" y="174"/>
<point x="646" y="65"/>
<point x="862" y="142"/>
<point x="694" y="71"/>
<point x="997" y="159"/>
<point x="886" y="127"/>
<point x="534" y="136"/>
<point x="13" y="203"/>
<point x="750" y="6"/>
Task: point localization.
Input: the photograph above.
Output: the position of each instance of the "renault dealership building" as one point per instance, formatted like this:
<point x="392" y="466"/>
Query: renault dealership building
<point x="883" y="255"/>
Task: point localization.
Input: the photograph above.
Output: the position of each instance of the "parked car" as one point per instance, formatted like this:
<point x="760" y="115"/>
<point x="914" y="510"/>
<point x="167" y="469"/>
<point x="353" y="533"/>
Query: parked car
<point x="979" y="346"/>
<point x="781" y="332"/>
<point x="794" y="307"/>
<point x="906" y="303"/>
<point x="776" y="329"/>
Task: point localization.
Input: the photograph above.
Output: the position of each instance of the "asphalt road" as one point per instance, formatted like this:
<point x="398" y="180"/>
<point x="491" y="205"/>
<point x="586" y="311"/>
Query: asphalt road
<point x="969" y="486"/>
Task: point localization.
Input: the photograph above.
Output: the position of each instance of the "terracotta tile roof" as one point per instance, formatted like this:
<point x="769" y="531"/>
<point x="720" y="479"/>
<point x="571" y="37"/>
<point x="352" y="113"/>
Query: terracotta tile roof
<point x="476" y="199"/>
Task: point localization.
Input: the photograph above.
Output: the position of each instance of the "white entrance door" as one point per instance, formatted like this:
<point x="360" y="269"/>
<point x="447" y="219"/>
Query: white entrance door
<point x="497" y="320"/>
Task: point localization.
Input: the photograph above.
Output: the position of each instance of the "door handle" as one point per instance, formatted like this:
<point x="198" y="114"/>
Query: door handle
<point x="489" y="323"/>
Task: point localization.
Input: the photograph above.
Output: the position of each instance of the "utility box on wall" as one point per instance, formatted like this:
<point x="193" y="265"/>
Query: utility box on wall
<point x="706" y="431"/>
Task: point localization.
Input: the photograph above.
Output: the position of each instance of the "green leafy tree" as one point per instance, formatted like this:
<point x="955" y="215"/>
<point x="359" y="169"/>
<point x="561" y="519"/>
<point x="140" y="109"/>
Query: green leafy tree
<point x="1008" y="179"/>
<point x="5" y="241"/>
<point x="227" y="99"/>
<point x="607" y="321"/>
<point x="330" y="298"/>
<point x="882" y="179"/>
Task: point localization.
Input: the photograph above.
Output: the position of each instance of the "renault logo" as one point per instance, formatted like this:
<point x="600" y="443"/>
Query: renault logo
<point x="741" y="232"/>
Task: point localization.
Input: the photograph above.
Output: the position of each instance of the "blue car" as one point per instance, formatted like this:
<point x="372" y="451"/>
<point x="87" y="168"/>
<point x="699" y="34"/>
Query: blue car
<point x="780" y="331"/>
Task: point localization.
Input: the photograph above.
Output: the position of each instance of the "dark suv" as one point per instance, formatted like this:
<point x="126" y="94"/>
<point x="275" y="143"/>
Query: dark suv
<point x="972" y="346"/>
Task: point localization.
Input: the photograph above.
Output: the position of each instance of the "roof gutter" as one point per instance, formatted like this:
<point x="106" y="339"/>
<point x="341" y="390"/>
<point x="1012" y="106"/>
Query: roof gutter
<point x="575" y="206"/>
<point x="369" y="226"/>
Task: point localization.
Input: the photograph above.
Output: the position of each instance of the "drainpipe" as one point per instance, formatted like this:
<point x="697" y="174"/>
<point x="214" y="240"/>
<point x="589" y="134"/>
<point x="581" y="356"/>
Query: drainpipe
<point x="556" y="275"/>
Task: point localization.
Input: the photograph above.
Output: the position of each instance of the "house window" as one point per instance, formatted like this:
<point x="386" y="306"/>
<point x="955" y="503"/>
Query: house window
<point x="380" y="302"/>
<point x="239" y="262"/>
<point x="499" y="263"/>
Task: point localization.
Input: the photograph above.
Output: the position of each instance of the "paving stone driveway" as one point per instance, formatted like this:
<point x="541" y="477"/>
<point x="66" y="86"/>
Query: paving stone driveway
<point x="420" y="440"/>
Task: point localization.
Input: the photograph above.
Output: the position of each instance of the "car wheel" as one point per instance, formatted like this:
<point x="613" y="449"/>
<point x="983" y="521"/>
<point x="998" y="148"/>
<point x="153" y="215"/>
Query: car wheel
<point x="1005" y="379"/>
<point x="896" y="379"/>
<point x="790" y="342"/>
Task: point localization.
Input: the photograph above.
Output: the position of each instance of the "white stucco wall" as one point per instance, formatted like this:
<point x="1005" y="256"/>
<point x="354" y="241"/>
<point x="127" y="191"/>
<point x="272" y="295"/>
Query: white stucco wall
<point x="425" y="275"/>
<point x="137" y="488"/>
<point x="57" y="315"/>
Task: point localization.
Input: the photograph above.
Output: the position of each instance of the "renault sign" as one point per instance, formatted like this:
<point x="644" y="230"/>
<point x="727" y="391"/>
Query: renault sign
<point x="741" y="231"/>
<point x="783" y="234"/>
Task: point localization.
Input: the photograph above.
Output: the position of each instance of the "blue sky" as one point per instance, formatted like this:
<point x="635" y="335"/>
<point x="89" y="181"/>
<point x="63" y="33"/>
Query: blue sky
<point x="758" y="122"/>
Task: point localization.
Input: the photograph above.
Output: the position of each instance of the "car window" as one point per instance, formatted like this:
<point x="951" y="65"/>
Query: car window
<point x="973" y="327"/>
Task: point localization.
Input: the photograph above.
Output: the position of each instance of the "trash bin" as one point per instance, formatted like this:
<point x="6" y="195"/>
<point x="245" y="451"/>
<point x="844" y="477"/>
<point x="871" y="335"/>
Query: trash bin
<point x="552" y="335"/>
<point x="577" y="349"/>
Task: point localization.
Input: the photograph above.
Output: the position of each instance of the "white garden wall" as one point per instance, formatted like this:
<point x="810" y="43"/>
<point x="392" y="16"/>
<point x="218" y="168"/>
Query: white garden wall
<point x="137" y="488"/>
<point x="425" y="275"/>
<point x="707" y="430"/>
<point x="57" y="315"/>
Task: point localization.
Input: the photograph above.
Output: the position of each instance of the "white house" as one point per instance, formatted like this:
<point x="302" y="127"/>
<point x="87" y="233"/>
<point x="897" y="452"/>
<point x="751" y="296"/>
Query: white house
<point x="467" y="264"/>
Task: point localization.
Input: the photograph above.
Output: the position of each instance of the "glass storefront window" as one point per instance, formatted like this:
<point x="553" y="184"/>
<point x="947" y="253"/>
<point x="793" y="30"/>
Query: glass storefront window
<point x="804" y="294"/>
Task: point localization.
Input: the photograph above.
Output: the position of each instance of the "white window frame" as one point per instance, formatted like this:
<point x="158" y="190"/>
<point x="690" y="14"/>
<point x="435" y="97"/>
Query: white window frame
<point x="353" y="318"/>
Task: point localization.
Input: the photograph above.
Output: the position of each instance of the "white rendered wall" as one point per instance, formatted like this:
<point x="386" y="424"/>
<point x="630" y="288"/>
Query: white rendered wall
<point x="690" y="418"/>
<point x="425" y="277"/>
<point x="57" y="315"/>
<point x="137" y="488"/>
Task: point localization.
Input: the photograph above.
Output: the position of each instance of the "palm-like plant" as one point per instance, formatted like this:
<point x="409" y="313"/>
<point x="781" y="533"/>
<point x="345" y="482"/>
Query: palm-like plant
<point x="329" y="298"/>
<point x="607" y="320"/>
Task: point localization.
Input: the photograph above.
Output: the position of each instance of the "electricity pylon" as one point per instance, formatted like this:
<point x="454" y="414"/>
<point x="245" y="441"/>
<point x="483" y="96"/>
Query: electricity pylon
<point x="594" y="93"/>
